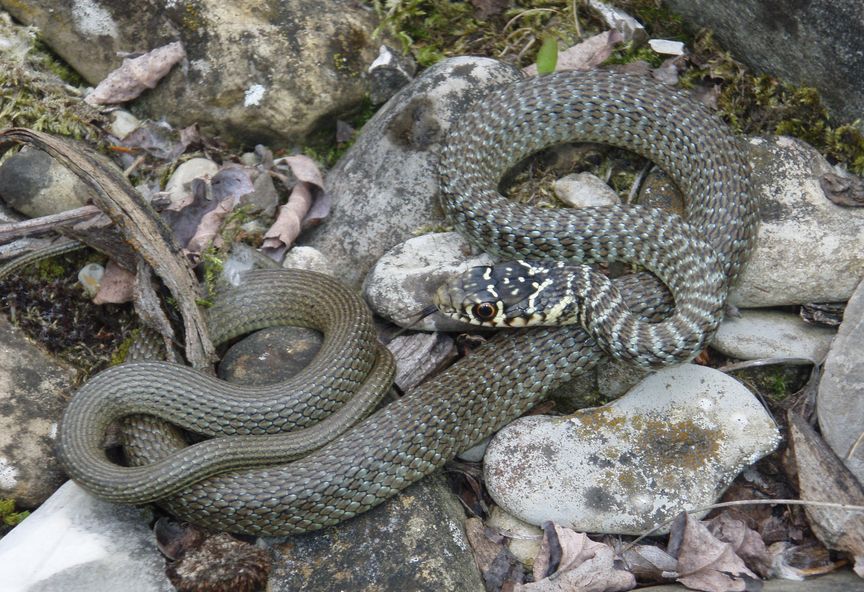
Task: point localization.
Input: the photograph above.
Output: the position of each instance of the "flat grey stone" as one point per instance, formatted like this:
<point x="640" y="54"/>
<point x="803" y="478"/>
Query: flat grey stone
<point x="414" y="541"/>
<point x="759" y="334"/>
<point x="674" y="442"/>
<point x="808" y="249"/>
<point x="839" y="581"/>
<point x="77" y="543"/>
<point x="840" y="401"/>
<point x="385" y="188"/>
<point x="34" y="388"/>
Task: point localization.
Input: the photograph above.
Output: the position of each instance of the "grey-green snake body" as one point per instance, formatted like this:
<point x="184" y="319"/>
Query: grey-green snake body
<point x="413" y="436"/>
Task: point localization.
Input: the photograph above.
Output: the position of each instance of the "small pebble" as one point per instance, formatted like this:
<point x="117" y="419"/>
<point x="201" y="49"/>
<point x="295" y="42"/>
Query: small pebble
<point x="584" y="190"/>
<point x="667" y="47"/>
<point x="90" y="277"/>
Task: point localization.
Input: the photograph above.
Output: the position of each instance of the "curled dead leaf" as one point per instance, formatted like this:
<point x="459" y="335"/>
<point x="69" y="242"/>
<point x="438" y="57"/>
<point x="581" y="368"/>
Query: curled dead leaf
<point x="136" y="75"/>
<point x="569" y="561"/>
<point x="706" y="563"/>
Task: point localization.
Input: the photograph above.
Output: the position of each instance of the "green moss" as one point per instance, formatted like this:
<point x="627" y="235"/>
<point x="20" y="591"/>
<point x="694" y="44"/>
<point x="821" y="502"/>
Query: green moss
<point x="435" y="29"/>
<point x="8" y="515"/>
<point x="630" y="52"/>
<point x="761" y="104"/>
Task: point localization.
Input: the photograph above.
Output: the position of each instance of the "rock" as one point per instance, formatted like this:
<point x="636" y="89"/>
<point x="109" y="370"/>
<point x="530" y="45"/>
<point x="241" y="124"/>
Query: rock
<point x="77" y="543"/>
<point x="840" y="401"/>
<point x="476" y="452"/>
<point x="419" y="355"/>
<point x="673" y="443"/>
<point x="809" y="249"/>
<point x="90" y="277"/>
<point x="300" y="65"/>
<point x="385" y="187"/>
<point x="836" y="581"/>
<point x="524" y="539"/>
<point x="414" y="541"/>
<point x="629" y="27"/>
<point x="308" y="258"/>
<point x="584" y="190"/>
<point x="123" y="123"/>
<point x="403" y="281"/>
<point x="179" y="185"/>
<point x="264" y="199"/>
<point x="759" y="334"/>
<point x="34" y="388"/>
<point x="36" y="185"/>
<point x="270" y="355"/>
<point x="388" y="73"/>
<point x="666" y="47"/>
<point x="810" y="43"/>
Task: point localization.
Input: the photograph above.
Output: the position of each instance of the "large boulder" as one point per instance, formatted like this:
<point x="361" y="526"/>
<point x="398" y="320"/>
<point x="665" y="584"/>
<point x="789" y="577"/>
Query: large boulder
<point x="811" y="43"/>
<point x="256" y="71"/>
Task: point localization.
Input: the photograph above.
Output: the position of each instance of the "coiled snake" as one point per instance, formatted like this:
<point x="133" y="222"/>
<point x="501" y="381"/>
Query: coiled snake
<point x="413" y="436"/>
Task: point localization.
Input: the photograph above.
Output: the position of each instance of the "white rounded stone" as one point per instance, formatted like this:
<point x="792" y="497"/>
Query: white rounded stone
<point x="584" y="190"/>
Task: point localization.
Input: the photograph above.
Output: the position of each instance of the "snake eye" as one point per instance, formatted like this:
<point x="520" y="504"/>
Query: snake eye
<point x="484" y="311"/>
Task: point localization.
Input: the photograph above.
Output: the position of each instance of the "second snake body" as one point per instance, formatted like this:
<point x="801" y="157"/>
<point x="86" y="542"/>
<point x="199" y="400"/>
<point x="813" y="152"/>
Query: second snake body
<point x="413" y="436"/>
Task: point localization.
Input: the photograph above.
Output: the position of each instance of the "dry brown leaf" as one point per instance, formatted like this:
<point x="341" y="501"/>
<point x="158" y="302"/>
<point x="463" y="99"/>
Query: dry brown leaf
<point x="745" y="541"/>
<point x="843" y="190"/>
<point x="706" y="563"/>
<point x="495" y="561"/>
<point x="209" y="227"/>
<point x="583" y="565"/>
<point x="586" y="55"/>
<point x="823" y="477"/>
<point x="136" y="75"/>
<point x="650" y="564"/>
<point x="289" y="221"/>
<point x="307" y="205"/>
<point x="117" y="286"/>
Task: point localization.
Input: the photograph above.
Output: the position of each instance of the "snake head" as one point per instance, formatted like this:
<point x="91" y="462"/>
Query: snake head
<point x="508" y="294"/>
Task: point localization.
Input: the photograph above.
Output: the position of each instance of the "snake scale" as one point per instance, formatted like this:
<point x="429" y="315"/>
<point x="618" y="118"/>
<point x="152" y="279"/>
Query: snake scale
<point x="411" y="437"/>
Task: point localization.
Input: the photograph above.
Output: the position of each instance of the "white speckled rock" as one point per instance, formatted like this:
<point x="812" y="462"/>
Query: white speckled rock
<point x="770" y="334"/>
<point x="77" y="543"/>
<point x="840" y="402"/>
<point x="808" y="249"/>
<point x="674" y="442"/>
<point x="385" y="187"/>
<point x="34" y="389"/>
<point x="403" y="280"/>
<point x="308" y="258"/>
<point x="584" y="190"/>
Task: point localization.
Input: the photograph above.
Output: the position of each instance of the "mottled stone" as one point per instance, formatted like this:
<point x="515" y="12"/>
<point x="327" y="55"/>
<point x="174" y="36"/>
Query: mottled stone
<point x="673" y="443"/>
<point x="840" y="402"/>
<point x="256" y="71"/>
<point x="34" y="388"/>
<point x="584" y="190"/>
<point x="808" y="248"/>
<point x="35" y="184"/>
<point x="403" y="281"/>
<point x="414" y="541"/>
<point x="758" y="334"/>
<point x="385" y="188"/>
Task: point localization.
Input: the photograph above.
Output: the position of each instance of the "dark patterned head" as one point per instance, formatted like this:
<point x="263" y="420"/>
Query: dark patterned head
<point x="508" y="294"/>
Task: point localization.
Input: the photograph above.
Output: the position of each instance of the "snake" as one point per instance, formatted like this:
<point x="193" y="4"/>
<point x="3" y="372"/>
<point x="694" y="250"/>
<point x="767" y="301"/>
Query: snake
<point x="251" y="487"/>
